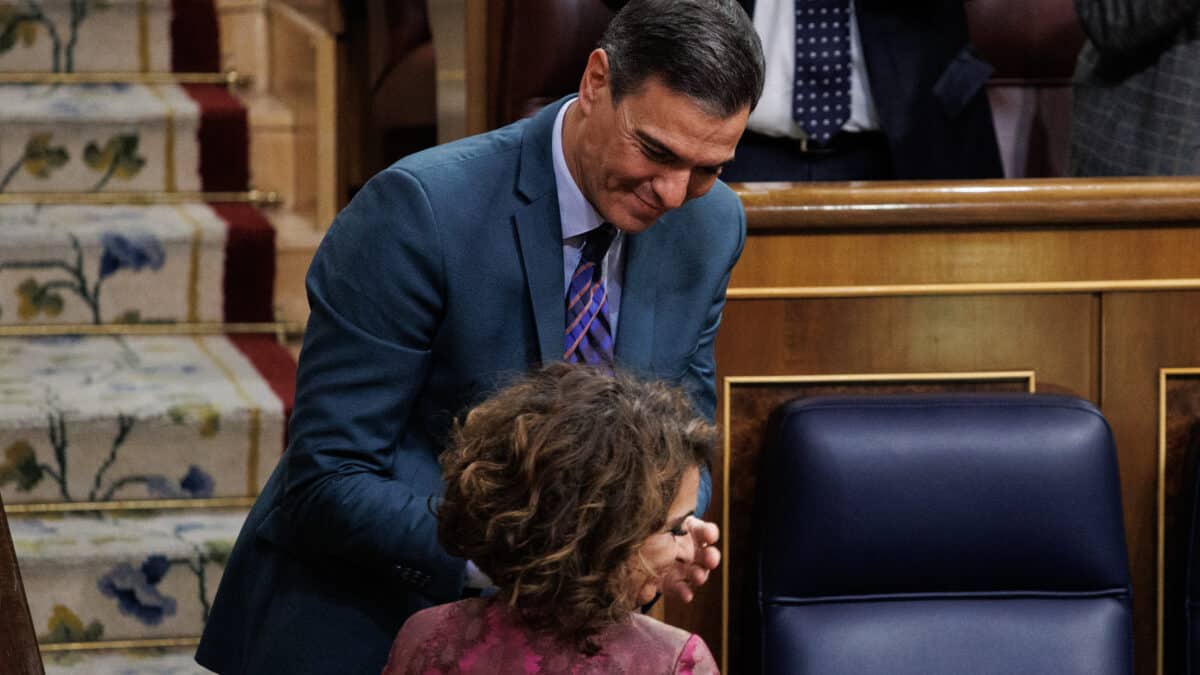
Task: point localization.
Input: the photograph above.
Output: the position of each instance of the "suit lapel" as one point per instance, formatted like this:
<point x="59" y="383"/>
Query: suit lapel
<point x="539" y="232"/>
<point x="540" y="235"/>
<point x="639" y="292"/>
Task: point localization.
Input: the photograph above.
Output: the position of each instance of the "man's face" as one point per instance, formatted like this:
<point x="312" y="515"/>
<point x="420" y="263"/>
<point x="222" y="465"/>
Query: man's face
<point x="649" y="153"/>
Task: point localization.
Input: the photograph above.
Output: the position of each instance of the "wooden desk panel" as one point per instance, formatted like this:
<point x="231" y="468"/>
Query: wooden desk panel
<point x="1093" y="285"/>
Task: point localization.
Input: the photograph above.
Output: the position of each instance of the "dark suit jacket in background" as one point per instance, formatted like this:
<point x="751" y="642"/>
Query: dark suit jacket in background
<point x="929" y="88"/>
<point x="1137" y="89"/>
<point x="442" y="279"/>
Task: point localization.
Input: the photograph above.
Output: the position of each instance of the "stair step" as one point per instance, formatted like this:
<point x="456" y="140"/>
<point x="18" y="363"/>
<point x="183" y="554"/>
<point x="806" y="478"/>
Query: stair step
<point x="93" y="578"/>
<point x="75" y="264"/>
<point x="133" y="420"/>
<point x="121" y="138"/>
<point x="125" y="662"/>
<point x="109" y="36"/>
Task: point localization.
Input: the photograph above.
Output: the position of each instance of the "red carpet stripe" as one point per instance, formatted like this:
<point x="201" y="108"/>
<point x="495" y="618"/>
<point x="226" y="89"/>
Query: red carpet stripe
<point x="249" y="263"/>
<point x="195" y="37"/>
<point x="277" y="367"/>
<point x="224" y="139"/>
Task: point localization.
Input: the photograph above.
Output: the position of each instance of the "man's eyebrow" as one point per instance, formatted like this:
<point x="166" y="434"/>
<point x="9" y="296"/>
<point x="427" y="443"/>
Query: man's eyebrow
<point x="668" y="155"/>
<point x="655" y="145"/>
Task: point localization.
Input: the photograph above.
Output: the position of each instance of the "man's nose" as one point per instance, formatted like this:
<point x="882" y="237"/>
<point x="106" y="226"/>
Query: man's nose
<point x="671" y="188"/>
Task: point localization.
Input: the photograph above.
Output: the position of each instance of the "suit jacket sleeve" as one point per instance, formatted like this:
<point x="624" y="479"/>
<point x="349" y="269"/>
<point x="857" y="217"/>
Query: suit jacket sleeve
<point x="375" y="289"/>
<point x="700" y="379"/>
<point x="1129" y="26"/>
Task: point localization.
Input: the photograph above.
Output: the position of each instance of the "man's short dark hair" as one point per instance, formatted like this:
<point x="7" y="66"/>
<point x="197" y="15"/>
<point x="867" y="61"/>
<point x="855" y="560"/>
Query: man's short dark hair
<point x="706" y="49"/>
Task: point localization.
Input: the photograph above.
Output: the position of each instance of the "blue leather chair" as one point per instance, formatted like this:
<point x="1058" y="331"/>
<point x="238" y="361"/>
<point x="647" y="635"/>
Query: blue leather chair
<point x="927" y="535"/>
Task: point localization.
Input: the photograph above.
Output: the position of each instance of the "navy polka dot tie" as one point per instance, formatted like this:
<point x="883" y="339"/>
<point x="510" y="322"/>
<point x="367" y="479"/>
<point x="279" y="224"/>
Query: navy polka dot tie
<point x="821" y="97"/>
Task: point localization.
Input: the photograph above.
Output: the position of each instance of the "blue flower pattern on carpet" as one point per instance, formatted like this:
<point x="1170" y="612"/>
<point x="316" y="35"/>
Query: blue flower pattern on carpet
<point x="133" y="252"/>
<point x="136" y="590"/>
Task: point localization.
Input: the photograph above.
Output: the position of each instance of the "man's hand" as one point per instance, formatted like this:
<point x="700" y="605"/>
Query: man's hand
<point x="692" y="568"/>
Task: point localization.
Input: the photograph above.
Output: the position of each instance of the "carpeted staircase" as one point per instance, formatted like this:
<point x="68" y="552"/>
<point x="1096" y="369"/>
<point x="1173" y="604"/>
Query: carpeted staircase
<point x="132" y="437"/>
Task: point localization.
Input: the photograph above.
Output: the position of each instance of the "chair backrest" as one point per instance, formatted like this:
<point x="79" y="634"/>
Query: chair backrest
<point x="18" y="643"/>
<point x="942" y="534"/>
<point x="1033" y="45"/>
<point x="536" y="52"/>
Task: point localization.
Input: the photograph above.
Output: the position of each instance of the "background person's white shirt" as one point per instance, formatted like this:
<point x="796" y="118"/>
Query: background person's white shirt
<point x="775" y="22"/>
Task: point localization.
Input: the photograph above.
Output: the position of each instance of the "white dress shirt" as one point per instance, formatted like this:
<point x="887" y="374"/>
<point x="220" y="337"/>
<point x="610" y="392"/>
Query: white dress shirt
<point x="578" y="217"/>
<point x="775" y="22"/>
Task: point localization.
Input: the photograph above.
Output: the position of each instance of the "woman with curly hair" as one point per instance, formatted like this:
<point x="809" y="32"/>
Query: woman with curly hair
<point x="573" y="491"/>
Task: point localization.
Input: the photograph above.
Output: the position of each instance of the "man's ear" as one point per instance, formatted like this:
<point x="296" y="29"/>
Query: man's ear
<point x="594" y="85"/>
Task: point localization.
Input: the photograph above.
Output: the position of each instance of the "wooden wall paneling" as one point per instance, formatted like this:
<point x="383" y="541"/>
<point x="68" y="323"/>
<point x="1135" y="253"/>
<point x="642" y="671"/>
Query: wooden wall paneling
<point x="1055" y="335"/>
<point x="959" y="256"/>
<point x="1141" y="334"/>
<point x="1178" y="457"/>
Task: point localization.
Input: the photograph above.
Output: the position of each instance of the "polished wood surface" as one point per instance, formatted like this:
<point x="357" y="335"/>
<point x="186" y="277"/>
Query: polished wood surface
<point x="1179" y="455"/>
<point x="905" y="204"/>
<point x="18" y="644"/>
<point x="1143" y="333"/>
<point x="1094" y="285"/>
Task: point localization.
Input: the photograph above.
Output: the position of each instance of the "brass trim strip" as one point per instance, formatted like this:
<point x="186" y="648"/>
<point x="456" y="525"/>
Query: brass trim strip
<point x="131" y="505"/>
<point x="958" y="376"/>
<point x="729" y="381"/>
<point x="169" y="181"/>
<point x="193" y="284"/>
<point x="146" y="643"/>
<point x="253" y="449"/>
<point x="994" y="288"/>
<point x="203" y="328"/>
<point x="230" y="78"/>
<point x="1160" y="602"/>
<point x="256" y="197"/>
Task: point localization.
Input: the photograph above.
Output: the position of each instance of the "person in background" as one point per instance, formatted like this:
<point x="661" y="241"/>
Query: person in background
<point x="1137" y="89"/>
<point x="867" y="90"/>
<point x="596" y="231"/>
<point x="574" y="491"/>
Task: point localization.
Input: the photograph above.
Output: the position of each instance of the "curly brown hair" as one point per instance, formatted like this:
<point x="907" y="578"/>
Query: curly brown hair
<point x="554" y="483"/>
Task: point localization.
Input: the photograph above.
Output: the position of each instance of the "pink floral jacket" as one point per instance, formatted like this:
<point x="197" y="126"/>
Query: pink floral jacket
<point x="481" y="636"/>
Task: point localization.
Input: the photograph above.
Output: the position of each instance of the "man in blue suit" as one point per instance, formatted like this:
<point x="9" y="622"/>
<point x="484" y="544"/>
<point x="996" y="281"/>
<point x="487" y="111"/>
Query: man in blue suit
<point x="449" y="273"/>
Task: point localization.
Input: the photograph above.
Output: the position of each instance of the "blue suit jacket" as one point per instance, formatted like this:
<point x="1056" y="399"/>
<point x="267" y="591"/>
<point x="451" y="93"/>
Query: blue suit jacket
<point x="439" y="282"/>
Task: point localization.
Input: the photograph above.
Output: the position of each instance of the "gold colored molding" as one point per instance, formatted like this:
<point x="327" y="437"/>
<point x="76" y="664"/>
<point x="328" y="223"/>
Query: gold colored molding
<point x="319" y="33"/>
<point x="990" y="288"/>
<point x="1060" y="202"/>
<point x="731" y="381"/>
<point x="231" y="78"/>
<point x="1160" y="602"/>
<point x="278" y="328"/>
<point x="148" y="643"/>
<point x="131" y="505"/>
<point x="256" y="197"/>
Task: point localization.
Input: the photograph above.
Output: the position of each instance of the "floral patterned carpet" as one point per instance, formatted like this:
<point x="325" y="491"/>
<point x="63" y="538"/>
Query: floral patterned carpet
<point x="128" y="461"/>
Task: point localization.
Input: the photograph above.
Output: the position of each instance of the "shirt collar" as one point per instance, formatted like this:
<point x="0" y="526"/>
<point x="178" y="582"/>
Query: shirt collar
<point x="575" y="212"/>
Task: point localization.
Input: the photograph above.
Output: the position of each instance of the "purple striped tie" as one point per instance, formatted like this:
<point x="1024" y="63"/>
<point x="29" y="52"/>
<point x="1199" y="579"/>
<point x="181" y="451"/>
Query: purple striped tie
<point x="588" y="334"/>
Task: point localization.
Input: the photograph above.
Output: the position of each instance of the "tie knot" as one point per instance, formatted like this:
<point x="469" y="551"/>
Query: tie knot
<point x="596" y="243"/>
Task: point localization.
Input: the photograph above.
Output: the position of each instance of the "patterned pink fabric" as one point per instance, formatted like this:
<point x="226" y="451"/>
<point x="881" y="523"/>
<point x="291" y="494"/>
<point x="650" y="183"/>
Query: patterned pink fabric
<point x="481" y="636"/>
